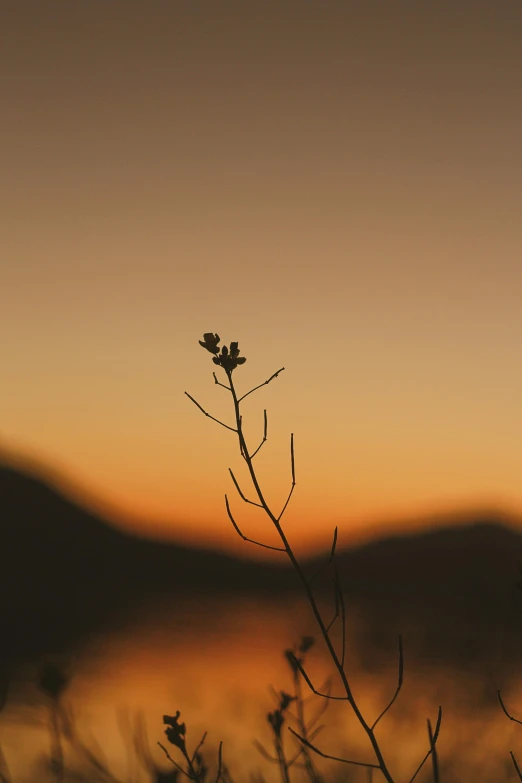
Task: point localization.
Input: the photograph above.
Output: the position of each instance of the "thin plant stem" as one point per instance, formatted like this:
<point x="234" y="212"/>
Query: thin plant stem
<point x="229" y="359"/>
<point x="434" y="756"/>
<point x="504" y="710"/>
<point x="399" y="684"/>
<point x="302" y="577"/>
<point x="515" y="764"/>
<point x="312" y="773"/>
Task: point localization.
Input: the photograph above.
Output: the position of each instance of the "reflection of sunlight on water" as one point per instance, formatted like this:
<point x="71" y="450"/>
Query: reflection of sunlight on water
<point x="215" y="664"/>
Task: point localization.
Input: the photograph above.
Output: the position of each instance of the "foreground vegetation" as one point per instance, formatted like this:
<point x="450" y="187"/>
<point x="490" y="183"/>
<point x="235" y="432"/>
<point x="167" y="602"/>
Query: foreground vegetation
<point x="294" y="751"/>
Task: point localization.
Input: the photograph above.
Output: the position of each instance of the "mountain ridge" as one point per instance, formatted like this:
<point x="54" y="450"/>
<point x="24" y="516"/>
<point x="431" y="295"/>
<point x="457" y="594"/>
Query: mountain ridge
<point x="65" y="570"/>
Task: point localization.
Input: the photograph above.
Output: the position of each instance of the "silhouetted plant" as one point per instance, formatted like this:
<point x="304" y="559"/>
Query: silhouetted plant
<point x="228" y="359"/>
<point x="276" y="719"/>
<point x="294" y="657"/>
<point x="515" y="720"/>
<point x="142" y="749"/>
<point x="197" y="769"/>
<point x="518" y="586"/>
<point x="53" y="681"/>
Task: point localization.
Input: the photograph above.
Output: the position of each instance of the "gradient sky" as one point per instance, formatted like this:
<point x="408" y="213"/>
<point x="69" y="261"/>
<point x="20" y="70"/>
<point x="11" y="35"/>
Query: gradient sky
<point x="336" y="185"/>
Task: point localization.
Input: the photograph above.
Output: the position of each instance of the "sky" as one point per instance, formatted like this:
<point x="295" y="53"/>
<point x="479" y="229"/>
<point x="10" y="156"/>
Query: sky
<point x="336" y="186"/>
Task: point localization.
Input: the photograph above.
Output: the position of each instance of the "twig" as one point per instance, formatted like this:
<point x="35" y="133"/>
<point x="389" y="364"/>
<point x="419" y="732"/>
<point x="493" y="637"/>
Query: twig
<point x="327" y="756"/>
<point x="313" y="721"/>
<point x="334" y="618"/>
<point x="515" y="720"/>
<point x="292" y="456"/>
<point x="505" y="710"/>
<point x="165" y="751"/>
<point x="220" y="762"/>
<point x="252" y="502"/>
<point x="233" y="429"/>
<point x="434" y="758"/>
<point x="218" y="383"/>
<point x="428" y="754"/>
<point x="399" y="684"/>
<point x="286" y="503"/>
<point x="517" y="768"/>
<point x="245" y="538"/>
<point x="309" y="682"/>
<point x="242" y="442"/>
<point x="266" y="755"/>
<point x="265" y="430"/>
<point x="293" y="477"/>
<point x="202" y="740"/>
<point x="261" y="384"/>
<point x="332" y="553"/>
<point x="340" y="598"/>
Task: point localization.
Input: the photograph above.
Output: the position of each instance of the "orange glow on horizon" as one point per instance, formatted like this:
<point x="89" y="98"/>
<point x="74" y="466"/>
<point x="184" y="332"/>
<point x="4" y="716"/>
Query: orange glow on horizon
<point x="346" y="209"/>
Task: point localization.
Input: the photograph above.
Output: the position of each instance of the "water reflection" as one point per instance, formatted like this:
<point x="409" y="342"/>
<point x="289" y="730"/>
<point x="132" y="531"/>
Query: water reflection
<point x="215" y="660"/>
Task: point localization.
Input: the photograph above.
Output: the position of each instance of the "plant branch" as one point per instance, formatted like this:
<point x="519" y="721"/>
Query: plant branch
<point x="399" y="684"/>
<point x="252" y="502"/>
<point x="245" y="538"/>
<point x="264" y="435"/>
<point x="208" y="414"/>
<point x="220" y="762"/>
<point x="165" y="751"/>
<point x="340" y="597"/>
<point x="313" y="721"/>
<point x="505" y="710"/>
<point x="261" y="384"/>
<point x="334" y="618"/>
<point x="202" y="740"/>
<point x="306" y="678"/>
<point x="293" y="477"/>
<point x="517" y="768"/>
<point x="433" y="739"/>
<point x="434" y="758"/>
<point x="327" y="756"/>
<point x="218" y="383"/>
<point x="332" y="553"/>
<point x="266" y="755"/>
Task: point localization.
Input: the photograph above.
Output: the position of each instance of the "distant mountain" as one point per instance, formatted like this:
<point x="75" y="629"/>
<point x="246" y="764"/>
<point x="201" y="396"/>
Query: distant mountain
<point x="63" y="568"/>
<point x="452" y="592"/>
<point x="65" y="571"/>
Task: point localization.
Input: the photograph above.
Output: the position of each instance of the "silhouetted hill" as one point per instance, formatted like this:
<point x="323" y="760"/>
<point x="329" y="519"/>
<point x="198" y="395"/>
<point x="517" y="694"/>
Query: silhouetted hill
<point x="479" y="558"/>
<point x="65" y="572"/>
<point x="63" y="568"/>
<point x="450" y="591"/>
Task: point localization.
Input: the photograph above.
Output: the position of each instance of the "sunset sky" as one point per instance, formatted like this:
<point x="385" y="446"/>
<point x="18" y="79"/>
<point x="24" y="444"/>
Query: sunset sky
<point x="336" y="185"/>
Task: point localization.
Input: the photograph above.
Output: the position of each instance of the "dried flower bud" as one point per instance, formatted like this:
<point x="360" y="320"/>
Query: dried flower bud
<point x="229" y="358"/>
<point x="306" y="643"/>
<point x="176" y="731"/>
<point x="210" y="342"/>
<point x="276" y="720"/>
<point x="286" y="700"/>
<point x="53" y="680"/>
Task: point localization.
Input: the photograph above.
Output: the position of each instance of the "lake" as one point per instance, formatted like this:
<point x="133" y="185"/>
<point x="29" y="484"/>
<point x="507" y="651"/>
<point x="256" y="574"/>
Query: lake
<point x="214" y="658"/>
